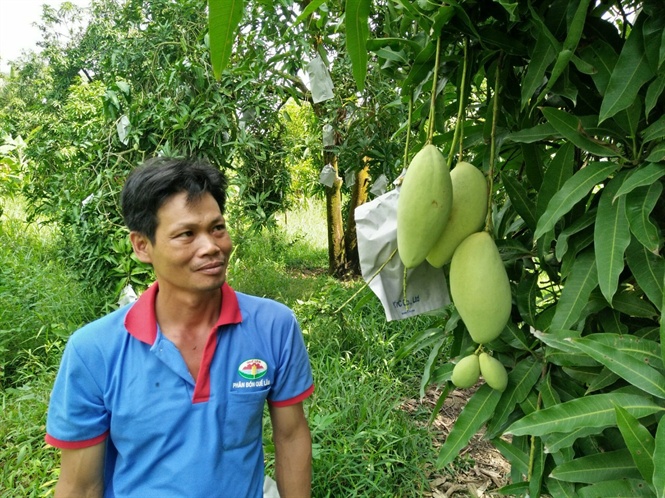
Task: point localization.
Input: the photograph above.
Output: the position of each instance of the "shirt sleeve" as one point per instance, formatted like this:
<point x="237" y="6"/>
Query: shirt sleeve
<point x="293" y="380"/>
<point x="77" y="416"/>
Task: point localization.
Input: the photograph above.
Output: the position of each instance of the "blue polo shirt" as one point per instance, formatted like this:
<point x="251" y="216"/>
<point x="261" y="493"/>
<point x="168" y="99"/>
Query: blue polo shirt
<point x="168" y="434"/>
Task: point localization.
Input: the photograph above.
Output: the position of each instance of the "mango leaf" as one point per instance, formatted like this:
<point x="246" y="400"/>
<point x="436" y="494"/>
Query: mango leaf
<point x="570" y="128"/>
<point x="528" y="292"/>
<point x="639" y="206"/>
<point x="629" y="302"/>
<point x="624" y="365"/>
<point x="530" y="135"/>
<point x="537" y="455"/>
<point x="558" y="339"/>
<point x="583" y="279"/>
<point x="543" y="55"/>
<point x="603" y="57"/>
<point x="357" y="33"/>
<point x="584" y="221"/>
<point x="560" y="489"/>
<point x="648" y="270"/>
<point x="659" y="460"/>
<point x="573" y="191"/>
<point x="657" y="153"/>
<point x="654" y="92"/>
<point x="308" y="11"/>
<point x="643" y="349"/>
<point x="596" y="410"/>
<point x="559" y="170"/>
<point x="630" y="73"/>
<point x="643" y="176"/>
<point x="518" y="459"/>
<point x="524" y="206"/>
<point x="639" y="442"/>
<point x="557" y="441"/>
<point x="224" y="16"/>
<point x="620" y="488"/>
<point x="475" y="413"/>
<point x="521" y="380"/>
<point x="598" y="467"/>
<point x="655" y="131"/>
<point x="604" y="379"/>
<point x="611" y="238"/>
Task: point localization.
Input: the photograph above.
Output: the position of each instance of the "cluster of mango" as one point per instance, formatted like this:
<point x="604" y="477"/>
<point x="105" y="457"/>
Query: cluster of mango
<point x="440" y="214"/>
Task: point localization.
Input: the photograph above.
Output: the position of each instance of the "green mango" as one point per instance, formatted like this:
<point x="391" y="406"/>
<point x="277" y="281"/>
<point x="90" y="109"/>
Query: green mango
<point x="479" y="287"/>
<point x="423" y="205"/>
<point x="493" y="372"/>
<point x="466" y="372"/>
<point x="467" y="213"/>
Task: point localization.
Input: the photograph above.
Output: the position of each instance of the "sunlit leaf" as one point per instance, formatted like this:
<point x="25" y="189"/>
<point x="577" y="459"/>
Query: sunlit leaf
<point x="629" y="74"/>
<point x="643" y="176"/>
<point x="596" y="410"/>
<point x="224" y="16"/>
<point x="357" y="33"/>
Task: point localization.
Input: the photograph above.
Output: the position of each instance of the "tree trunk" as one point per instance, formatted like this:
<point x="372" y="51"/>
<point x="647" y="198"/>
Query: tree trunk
<point x="336" y="252"/>
<point x="358" y="197"/>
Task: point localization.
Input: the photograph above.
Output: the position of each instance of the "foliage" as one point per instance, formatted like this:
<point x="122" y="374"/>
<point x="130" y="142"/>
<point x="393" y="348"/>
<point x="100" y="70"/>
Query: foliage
<point x="565" y="119"/>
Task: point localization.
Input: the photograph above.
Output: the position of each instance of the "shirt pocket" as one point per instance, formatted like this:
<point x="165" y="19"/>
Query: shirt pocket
<point x="243" y="418"/>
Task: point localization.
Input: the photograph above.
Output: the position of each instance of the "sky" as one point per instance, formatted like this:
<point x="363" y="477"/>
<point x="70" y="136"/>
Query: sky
<point x="16" y="31"/>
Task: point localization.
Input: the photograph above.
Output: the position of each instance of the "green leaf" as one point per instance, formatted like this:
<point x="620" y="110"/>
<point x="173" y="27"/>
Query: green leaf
<point x="583" y="279"/>
<point x="630" y="73"/>
<point x="579" y="225"/>
<point x="475" y="413"/>
<point x="596" y="410"/>
<point x="224" y="16"/>
<point x="560" y="489"/>
<point x="620" y="488"/>
<point x="603" y="57"/>
<point x="570" y="128"/>
<point x="655" y="131"/>
<point x="518" y="459"/>
<point x="657" y="153"/>
<point x="624" y="365"/>
<point x="598" y="467"/>
<point x="643" y="176"/>
<point x="518" y="196"/>
<point x="640" y="348"/>
<point x="573" y="191"/>
<point x="557" y="441"/>
<point x="639" y="206"/>
<point x="559" y="170"/>
<point x="543" y="55"/>
<point x="530" y="135"/>
<point x="654" y="92"/>
<point x="648" y="269"/>
<point x="357" y="33"/>
<point x="659" y="460"/>
<point x="639" y="442"/>
<point x="611" y="238"/>
<point x="308" y="11"/>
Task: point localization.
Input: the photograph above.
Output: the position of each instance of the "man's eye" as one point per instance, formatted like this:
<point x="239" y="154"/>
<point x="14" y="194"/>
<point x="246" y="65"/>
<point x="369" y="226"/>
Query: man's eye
<point x="185" y="234"/>
<point x="220" y="228"/>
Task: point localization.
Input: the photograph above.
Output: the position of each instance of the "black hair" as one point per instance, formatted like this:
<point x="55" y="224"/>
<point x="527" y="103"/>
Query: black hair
<point x="151" y="184"/>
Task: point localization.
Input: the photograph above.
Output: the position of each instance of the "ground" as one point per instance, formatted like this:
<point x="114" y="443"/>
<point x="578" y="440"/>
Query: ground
<point x="480" y="469"/>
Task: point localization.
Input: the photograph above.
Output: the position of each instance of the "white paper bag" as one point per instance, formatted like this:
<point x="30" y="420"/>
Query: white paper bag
<point x="320" y="82"/>
<point x="376" y="229"/>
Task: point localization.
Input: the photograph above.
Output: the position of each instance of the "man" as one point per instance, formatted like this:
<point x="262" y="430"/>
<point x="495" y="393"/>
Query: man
<point x="164" y="397"/>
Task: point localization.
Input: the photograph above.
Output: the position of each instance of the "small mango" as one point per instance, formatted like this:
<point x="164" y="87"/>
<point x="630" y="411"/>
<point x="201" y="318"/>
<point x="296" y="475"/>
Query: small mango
<point x="467" y="213"/>
<point x="479" y="287"/>
<point x="466" y="372"/>
<point x="423" y="205"/>
<point x="493" y="372"/>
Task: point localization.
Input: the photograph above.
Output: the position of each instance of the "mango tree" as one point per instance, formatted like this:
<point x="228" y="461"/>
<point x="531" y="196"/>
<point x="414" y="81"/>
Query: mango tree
<point x="560" y="104"/>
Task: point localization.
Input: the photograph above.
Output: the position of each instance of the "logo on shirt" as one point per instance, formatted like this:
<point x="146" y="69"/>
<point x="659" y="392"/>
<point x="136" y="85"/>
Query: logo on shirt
<point x="253" y="369"/>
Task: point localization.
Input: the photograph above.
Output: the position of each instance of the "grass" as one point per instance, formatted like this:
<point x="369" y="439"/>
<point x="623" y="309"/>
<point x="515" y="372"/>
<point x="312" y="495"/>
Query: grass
<point x="365" y="445"/>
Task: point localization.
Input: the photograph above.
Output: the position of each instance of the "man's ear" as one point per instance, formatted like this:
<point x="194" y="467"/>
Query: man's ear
<point x="141" y="245"/>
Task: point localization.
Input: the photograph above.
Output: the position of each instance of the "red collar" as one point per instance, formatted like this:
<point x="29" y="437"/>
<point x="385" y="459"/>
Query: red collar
<point x="141" y="321"/>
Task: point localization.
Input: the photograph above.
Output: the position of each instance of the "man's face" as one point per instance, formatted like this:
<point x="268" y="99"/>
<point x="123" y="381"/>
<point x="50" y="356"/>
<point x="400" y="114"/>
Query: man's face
<point x="191" y="248"/>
